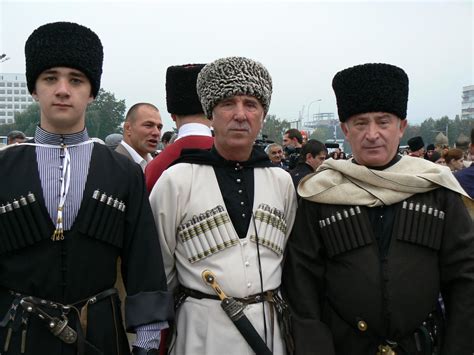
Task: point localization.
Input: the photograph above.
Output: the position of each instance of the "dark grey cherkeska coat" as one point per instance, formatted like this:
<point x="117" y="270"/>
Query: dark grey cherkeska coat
<point x="84" y="263"/>
<point x="387" y="271"/>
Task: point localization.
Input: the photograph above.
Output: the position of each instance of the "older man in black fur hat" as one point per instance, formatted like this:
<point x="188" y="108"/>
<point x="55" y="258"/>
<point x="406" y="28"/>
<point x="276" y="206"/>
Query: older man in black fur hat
<point x="76" y="208"/>
<point x="379" y="237"/>
<point x="228" y="210"/>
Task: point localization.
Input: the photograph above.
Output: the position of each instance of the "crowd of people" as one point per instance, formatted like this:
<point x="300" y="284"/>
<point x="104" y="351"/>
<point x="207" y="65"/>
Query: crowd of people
<point x="215" y="246"/>
<point x="292" y="149"/>
<point x="456" y="158"/>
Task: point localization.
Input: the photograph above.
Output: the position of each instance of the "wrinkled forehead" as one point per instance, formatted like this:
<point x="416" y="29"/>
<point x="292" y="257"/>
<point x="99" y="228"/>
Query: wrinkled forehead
<point x="240" y="97"/>
<point x="373" y="116"/>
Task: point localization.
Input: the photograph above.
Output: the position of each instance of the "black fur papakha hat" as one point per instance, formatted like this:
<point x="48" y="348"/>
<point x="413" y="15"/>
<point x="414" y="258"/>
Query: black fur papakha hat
<point x="415" y="143"/>
<point x="181" y="95"/>
<point x="64" y="44"/>
<point x="227" y="77"/>
<point x="373" y="87"/>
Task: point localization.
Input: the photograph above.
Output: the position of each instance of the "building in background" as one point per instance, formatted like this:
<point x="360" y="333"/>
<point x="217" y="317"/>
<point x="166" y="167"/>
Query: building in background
<point x="14" y="96"/>
<point x="467" y="102"/>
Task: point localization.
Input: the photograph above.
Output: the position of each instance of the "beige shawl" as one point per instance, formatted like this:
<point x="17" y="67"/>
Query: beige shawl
<point x="344" y="183"/>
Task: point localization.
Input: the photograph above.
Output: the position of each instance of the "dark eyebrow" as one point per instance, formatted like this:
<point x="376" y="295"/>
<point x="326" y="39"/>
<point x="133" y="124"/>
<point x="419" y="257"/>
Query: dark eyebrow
<point x="251" y="99"/>
<point x="77" y="74"/>
<point x="159" y="125"/>
<point x="50" y="71"/>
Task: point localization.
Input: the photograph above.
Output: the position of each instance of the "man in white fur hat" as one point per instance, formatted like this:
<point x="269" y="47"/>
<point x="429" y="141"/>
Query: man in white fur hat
<point x="227" y="210"/>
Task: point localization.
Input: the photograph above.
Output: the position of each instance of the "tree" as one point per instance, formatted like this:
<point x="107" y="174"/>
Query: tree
<point x="430" y="128"/>
<point x="104" y="115"/>
<point x="274" y="128"/>
<point x="441" y="125"/>
<point x="428" y="131"/>
<point x="464" y="126"/>
<point x="6" y="128"/>
<point x="27" y="120"/>
<point x="410" y="131"/>
<point x="323" y="133"/>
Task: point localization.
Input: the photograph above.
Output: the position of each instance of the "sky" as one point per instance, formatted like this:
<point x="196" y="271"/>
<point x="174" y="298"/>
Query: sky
<point x="303" y="44"/>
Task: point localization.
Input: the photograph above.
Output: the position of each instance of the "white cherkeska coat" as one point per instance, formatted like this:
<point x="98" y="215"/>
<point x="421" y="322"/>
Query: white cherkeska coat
<point x="209" y="241"/>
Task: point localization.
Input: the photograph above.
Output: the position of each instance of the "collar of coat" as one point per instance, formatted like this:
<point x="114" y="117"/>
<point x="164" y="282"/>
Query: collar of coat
<point x="345" y="183"/>
<point x="258" y="159"/>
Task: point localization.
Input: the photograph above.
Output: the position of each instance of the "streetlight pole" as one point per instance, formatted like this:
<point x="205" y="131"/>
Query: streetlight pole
<point x="309" y="106"/>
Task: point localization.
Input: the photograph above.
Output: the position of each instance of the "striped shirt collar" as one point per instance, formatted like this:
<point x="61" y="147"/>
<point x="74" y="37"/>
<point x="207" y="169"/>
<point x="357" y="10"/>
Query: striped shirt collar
<point x="44" y="137"/>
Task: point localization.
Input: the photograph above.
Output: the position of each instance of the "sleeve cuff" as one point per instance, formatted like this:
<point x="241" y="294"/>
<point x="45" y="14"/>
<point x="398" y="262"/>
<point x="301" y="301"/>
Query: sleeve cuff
<point x="148" y="307"/>
<point x="148" y="336"/>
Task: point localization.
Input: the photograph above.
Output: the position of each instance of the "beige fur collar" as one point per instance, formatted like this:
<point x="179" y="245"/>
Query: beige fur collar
<point x="345" y="183"/>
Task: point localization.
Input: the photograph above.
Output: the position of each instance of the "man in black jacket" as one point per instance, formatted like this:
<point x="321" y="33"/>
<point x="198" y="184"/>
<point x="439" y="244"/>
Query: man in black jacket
<point x="312" y="156"/>
<point x="292" y="143"/>
<point x="379" y="237"/>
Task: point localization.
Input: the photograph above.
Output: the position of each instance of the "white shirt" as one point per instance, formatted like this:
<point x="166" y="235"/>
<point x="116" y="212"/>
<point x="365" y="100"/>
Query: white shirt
<point x="137" y="158"/>
<point x="194" y="129"/>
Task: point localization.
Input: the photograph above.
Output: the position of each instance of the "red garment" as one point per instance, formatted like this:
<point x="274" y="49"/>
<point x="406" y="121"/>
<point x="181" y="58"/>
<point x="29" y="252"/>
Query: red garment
<point x="172" y="152"/>
<point x="163" y="339"/>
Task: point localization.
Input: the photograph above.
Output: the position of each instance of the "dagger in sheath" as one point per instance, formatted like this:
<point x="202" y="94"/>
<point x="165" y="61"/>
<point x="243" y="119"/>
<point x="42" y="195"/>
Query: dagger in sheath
<point x="235" y="311"/>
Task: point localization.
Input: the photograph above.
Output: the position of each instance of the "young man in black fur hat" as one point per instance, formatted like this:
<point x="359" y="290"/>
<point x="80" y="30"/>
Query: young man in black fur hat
<point x="185" y="108"/>
<point x="228" y="210"/>
<point x="74" y="211"/>
<point x="379" y="237"/>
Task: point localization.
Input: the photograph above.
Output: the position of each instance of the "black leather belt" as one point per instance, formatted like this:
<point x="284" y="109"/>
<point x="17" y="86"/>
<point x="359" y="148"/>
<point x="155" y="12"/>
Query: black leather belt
<point x="78" y="304"/>
<point x="272" y="297"/>
<point x="257" y="298"/>
<point x="54" y="315"/>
